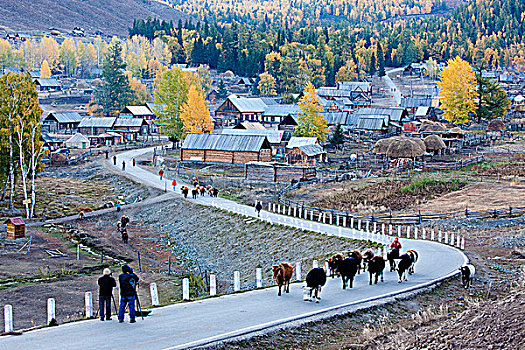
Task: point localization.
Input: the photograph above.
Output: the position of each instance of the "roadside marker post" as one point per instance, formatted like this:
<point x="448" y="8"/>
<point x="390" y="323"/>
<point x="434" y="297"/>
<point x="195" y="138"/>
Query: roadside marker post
<point x="344" y="221"/>
<point x="446" y="237"/>
<point x="451" y="239"/>
<point x="213" y="286"/>
<point x="298" y="271"/>
<point x="458" y="242"/>
<point x="236" y="281"/>
<point x="424" y="233"/>
<point x="315" y="264"/>
<point x="8" y="318"/>
<point x="50" y="310"/>
<point x="258" y="277"/>
<point x="462" y="243"/>
<point x="154" y="294"/>
<point x="415" y="232"/>
<point x="367" y="226"/>
<point x="408" y="231"/>
<point x="359" y="224"/>
<point x="351" y="222"/>
<point x="390" y="229"/>
<point x="88" y="304"/>
<point x="185" y="289"/>
<point x="375" y="227"/>
<point x="399" y="231"/>
<point x="440" y="236"/>
<point x="78" y="251"/>
<point x="432" y="235"/>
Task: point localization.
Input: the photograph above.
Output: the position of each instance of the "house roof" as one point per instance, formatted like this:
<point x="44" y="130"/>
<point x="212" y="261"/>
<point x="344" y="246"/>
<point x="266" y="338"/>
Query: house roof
<point x="245" y="104"/>
<point x="15" y="221"/>
<point x="245" y="81"/>
<point x="312" y="150"/>
<point x="48" y="82"/>
<point x="371" y="123"/>
<point x="77" y="138"/>
<point x="137" y="110"/>
<point x="421" y="111"/>
<point x="354" y="85"/>
<point x="273" y="136"/>
<point x="334" y="118"/>
<point x="250" y="125"/>
<point x="413" y="102"/>
<point x="65" y="117"/>
<point x="221" y="142"/>
<point x="296" y="141"/>
<point x="394" y="113"/>
<point x="280" y="110"/>
<point x="129" y="122"/>
<point x="97" y="122"/>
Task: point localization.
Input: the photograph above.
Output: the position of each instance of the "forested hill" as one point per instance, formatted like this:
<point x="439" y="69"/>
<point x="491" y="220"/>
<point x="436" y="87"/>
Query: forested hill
<point x="112" y="17"/>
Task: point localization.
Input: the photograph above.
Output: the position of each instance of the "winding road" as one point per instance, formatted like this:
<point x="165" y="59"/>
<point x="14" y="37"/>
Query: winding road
<point x="191" y="324"/>
<point x="396" y="94"/>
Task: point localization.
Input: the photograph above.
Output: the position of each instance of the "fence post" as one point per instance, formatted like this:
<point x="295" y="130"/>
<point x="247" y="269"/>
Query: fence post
<point x="337" y="220"/>
<point x="315" y="264"/>
<point x="213" y="286"/>
<point x="399" y="231"/>
<point x="458" y="241"/>
<point x="367" y="226"/>
<point x="440" y="236"/>
<point x="8" y="318"/>
<point x="351" y="222"/>
<point x="359" y="224"/>
<point x="50" y="310"/>
<point x="344" y="221"/>
<point x="185" y="289"/>
<point x="295" y="211"/>
<point x="390" y="229"/>
<point x="446" y="237"/>
<point x="331" y="218"/>
<point x="298" y="271"/>
<point x="312" y="215"/>
<point x="451" y="239"/>
<point x="154" y="294"/>
<point x="236" y="281"/>
<point x="432" y="235"/>
<point x="415" y="232"/>
<point x="424" y="233"/>
<point x="408" y="231"/>
<point x="383" y="228"/>
<point x="78" y="251"/>
<point x="289" y="211"/>
<point x="375" y="226"/>
<point x="462" y="243"/>
<point x="88" y="300"/>
<point x="258" y="277"/>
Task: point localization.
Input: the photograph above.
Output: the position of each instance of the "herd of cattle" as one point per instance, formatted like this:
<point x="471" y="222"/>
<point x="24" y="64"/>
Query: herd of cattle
<point x="355" y="262"/>
<point x="213" y="192"/>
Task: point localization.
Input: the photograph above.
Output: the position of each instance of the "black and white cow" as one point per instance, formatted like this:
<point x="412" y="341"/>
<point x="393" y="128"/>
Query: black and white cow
<point x="467" y="275"/>
<point x="315" y="280"/>
<point x="406" y="264"/>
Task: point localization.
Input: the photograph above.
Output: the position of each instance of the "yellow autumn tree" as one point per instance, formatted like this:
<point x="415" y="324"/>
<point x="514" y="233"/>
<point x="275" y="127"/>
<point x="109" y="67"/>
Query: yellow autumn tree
<point x="266" y="84"/>
<point x="310" y="121"/>
<point x="458" y="90"/>
<point x="195" y="114"/>
<point x="140" y="93"/>
<point x="45" y="71"/>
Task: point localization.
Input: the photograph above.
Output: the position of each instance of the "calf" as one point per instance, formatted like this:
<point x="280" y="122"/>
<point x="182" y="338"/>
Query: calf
<point x="347" y="268"/>
<point x="376" y="265"/>
<point x="332" y="263"/>
<point x="195" y="193"/>
<point x="391" y="255"/>
<point x="413" y="254"/>
<point x="467" y="275"/>
<point x="406" y="264"/>
<point x="282" y="274"/>
<point x="315" y="280"/>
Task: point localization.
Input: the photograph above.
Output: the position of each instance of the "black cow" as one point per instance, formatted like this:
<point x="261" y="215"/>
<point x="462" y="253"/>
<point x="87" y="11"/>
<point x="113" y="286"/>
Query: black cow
<point x="467" y="275"/>
<point x="347" y="268"/>
<point x="185" y="191"/>
<point x="390" y="256"/>
<point x="215" y="192"/>
<point x="194" y="193"/>
<point x="376" y="265"/>
<point x="406" y="264"/>
<point x="315" y="279"/>
<point x="356" y="254"/>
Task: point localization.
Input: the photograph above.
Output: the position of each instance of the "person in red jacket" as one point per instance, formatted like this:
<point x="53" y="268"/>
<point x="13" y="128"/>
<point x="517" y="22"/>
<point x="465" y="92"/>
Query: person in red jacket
<point x="395" y="244"/>
<point x="174" y="183"/>
<point x="161" y="172"/>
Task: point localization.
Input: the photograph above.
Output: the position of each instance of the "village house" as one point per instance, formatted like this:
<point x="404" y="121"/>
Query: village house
<point x="92" y="126"/>
<point x="78" y="141"/>
<point x="236" y="109"/>
<point x="274" y="114"/>
<point x="131" y="128"/>
<point x="359" y="94"/>
<point x="142" y="112"/>
<point x="47" y="84"/>
<point x="233" y="149"/>
<point x="276" y="138"/>
<point x="412" y="103"/>
<point x="310" y="154"/>
<point x="62" y="122"/>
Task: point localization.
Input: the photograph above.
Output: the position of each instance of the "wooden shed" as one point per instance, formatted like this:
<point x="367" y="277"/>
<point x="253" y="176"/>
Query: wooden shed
<point x="16" y="228"/>
<point x="239" y="149"/>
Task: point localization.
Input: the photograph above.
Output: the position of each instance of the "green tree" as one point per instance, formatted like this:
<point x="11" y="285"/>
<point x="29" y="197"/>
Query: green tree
<point x="222" y="93"/>
<point x="266" y="84"/>
<point x="380" y="61"/>
<point x="115" y="91"/>
<point x="310" y="121"/>
<point x="338" y="136"/>
<point x="373" y="67"/>
<point x="492" y="99"/>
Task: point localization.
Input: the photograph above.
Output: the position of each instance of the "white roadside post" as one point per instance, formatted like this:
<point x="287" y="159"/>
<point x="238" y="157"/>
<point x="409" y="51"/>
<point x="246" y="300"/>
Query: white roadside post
<point x="458" y="242"/>
<point x="451" y="239"/>
<point x="367" y="226"/>
<point x="440" y="236"/>
<point x="446" y="237"/>
<point x="383" y="228"/>
<point x="78" y="251"/>
<point x="258" y="277"/>
<point x="236" y="281"/>
<point x="432" y="235"/>
<point x="331" y="218"/>
<point x="399" y="231"/>
<point x="213" y="286"/>
<point x="269" y="206"/>
<point x="390" y="230"/>
<point x="375" y="226"/>
<point x="315" y="264"/>
<point x="408" y="231"/>
<point x="352" y="222"/>
<point x="8" y="318"/>
<point x="50" y="310"/>
<point x="344" y="221"/>
<point x="462" y="243"/>
<point x="89" y="304"/>
<point x="338" y="220"/>
<point x="298" y="271"/>
<point x="415" y="232"/>
<point x="295" y="212"/>
<point x="154" y="294"/>
<point x="273" y="207"/>
<point x="185" y="289"/>
<point x="359" y="224"/>
<point x="424" y="233"/>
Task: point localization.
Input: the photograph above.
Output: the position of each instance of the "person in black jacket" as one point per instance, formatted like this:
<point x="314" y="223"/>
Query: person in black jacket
<point x="105" y="293"/>
<point x="128" y="282"/>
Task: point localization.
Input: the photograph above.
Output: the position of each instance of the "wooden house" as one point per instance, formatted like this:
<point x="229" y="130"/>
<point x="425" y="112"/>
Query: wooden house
<point x="412" y="103"/>
<point x="233" y="149"/>
<point x="307" y="154"/>
<point x="16" y="228"/>
<point x="274" y="114"/>
<point x="47" y="84"/>
<point x="96" y="125"/>
<point x="236" y="109"/>
<point x="131" y="128"/>
<point x="62" y="122"/>
<point x="142" y="112"/>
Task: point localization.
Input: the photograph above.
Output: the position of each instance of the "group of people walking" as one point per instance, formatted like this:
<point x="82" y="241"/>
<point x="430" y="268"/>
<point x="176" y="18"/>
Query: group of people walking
<point x="128" y="282"/>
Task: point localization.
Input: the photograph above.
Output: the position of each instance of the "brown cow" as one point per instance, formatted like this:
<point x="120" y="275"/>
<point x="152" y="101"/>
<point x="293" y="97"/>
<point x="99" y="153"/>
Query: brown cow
<point x="202" y="190"/>
<point x="282" y="274"/>
<point x="332" y="263"/>
<point x="356" y="254"/>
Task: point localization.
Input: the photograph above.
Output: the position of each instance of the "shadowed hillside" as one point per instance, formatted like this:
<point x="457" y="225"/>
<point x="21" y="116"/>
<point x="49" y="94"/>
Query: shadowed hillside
<point x="112" y="17"/>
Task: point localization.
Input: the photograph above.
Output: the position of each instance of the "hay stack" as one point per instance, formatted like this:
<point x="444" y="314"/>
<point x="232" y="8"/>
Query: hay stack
<point x="496" y="125"/>
<point x="382" y="145"/>
<point x="406" y="147"/>
<point x="434" y="143"/>
<point x="456" y="130"/>
<point x="430" y="126"/>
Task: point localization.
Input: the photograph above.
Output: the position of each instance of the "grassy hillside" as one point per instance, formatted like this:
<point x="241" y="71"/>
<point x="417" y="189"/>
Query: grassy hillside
<point x="112" y="17"/>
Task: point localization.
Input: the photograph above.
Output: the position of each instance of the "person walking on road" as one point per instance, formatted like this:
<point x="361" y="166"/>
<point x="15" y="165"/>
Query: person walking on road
<point x="258" y="208"/>
<point x="161" y="172"/>
<point x="133" y="161"/>
<point x="114" y="160"/>
<point x="123" y="166"/>
<point x="105" y="293"/>
<point x="128" y="282"/>
<point x="107" y="154"/>
<point x="118" y="206"/>
<point x="174" y="183"/>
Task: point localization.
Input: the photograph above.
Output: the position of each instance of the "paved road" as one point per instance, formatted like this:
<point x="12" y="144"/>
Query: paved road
<point x="396" y="94"/>
<point x="190" y="324"/>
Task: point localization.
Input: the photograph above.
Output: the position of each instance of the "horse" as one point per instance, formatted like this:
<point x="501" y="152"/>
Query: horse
<point x="282" y="274"/>
<point x="390" y="256"/>
<point x="315" y="280"/>
<point x="376" y="265"/>
<point x="467" y="275"/>
<point x="331" y="263"/>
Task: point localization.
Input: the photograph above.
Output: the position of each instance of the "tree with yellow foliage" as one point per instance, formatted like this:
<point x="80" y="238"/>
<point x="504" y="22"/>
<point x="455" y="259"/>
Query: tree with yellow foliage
<point x="266" y="84"/>
<point x="45" y="71"/>
<point x="458" y="90"/>
<point x="310" y="121"/>
<point x="140" y="94"/>
<point x="347" y="72"/>
<point x="195" y="114"/>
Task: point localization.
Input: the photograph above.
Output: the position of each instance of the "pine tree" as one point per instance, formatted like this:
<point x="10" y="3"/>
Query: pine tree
<point x="373" y="68"/>
<point x="310" y="121"/>
<point x="195" y="114"/>
<point x="222" y="93"/>
<point x="338" y="136"/>
<point x="380" y="60"/>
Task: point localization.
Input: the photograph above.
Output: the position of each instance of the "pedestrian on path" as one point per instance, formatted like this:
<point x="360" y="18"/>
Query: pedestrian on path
<point x="105" y="293"/>
<point x="81" y="215"/>
<point x="133" y="161"/>
<point x="128" y="282"/>
<point x="123" y="166"/>
<point x="174" y="183"/>
<point x="258" y="208"/>
<point x="114" y="160"/>
<point x="161" y="172"/>
<point x="118" y="206"/>
<point x="107" y="154"/>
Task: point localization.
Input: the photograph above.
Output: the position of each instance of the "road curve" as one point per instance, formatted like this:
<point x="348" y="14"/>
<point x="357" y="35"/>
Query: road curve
<point x="191" y="324"/>
<point x="396" y="94"/>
